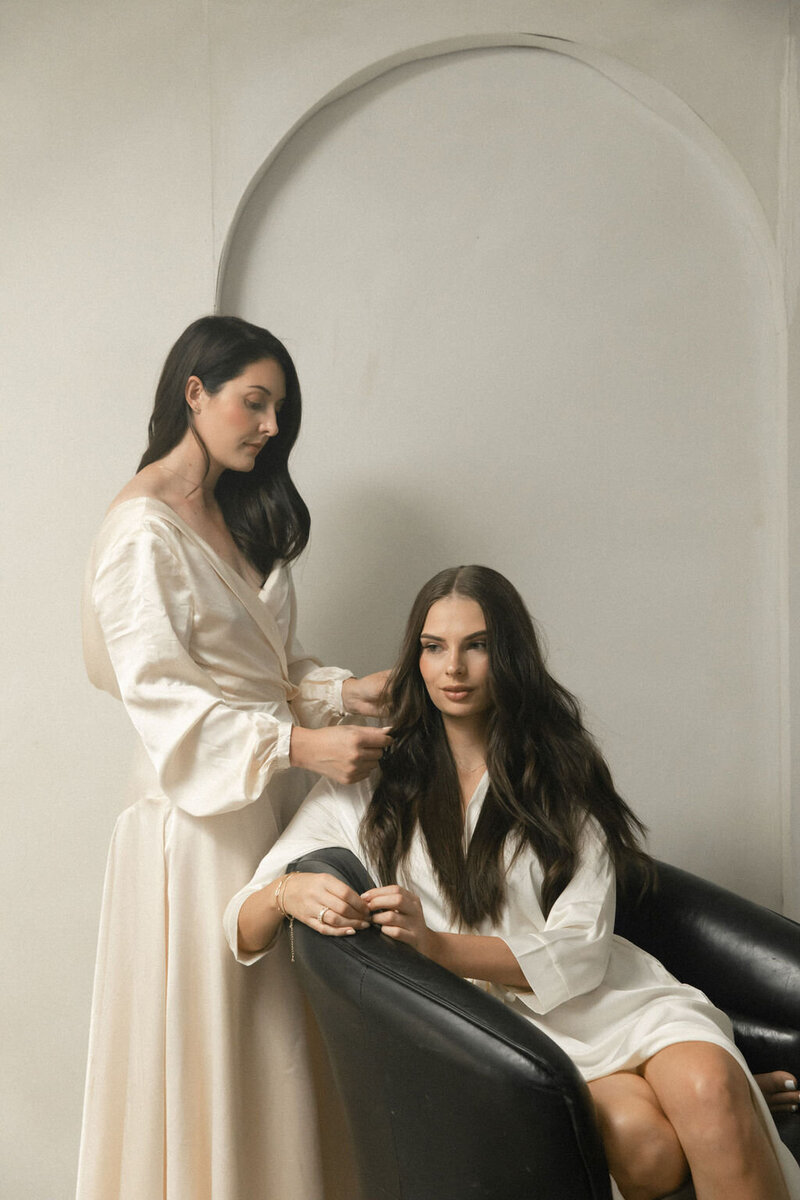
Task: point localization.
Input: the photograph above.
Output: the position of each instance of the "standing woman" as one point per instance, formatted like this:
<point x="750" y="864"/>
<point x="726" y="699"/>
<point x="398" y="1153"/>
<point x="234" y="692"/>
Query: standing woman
<point x="197" y="1084"/>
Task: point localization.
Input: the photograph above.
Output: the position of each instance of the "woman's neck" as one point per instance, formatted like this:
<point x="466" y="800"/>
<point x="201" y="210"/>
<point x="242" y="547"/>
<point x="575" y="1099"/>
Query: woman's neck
<point x="188" y="468"/>
<point x="466" y="738"/>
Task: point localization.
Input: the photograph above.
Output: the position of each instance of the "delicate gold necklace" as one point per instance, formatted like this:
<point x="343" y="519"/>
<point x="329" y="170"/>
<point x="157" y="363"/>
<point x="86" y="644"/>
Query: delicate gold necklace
<point x="194" y="486"/>
<point x="468" y="770"/>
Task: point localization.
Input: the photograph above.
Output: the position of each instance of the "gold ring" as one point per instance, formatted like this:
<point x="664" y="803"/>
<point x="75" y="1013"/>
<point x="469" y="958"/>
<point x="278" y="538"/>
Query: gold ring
<point x="322" y="911"/>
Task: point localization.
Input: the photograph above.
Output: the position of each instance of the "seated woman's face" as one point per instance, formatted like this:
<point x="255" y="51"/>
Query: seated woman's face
<point x="454" y="658"/>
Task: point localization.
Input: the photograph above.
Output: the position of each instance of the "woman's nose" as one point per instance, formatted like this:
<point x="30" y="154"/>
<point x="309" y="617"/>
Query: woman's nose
<point x="454" y="665"/>
<point x="269" y="423"/>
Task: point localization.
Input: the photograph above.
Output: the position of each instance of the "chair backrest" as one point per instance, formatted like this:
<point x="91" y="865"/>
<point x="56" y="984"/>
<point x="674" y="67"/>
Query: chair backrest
<point x="745" y="958"/>
<point x="449" y="1094"/>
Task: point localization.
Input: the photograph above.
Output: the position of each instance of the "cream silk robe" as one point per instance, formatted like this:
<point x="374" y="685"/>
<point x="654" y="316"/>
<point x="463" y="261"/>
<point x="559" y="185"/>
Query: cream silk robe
<point x="198" y="1085"/>
<point x="608" y="1004"/>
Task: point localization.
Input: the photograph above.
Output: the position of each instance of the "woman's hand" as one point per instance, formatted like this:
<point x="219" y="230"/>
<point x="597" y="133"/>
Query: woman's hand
<point x="398" y="913"/>
<point x="365" y="696"/>
<point x="780" y="1090"/>
<point x="324" y="903"/>
<point x="345" y="753"/>
<point x="320" y="901"/>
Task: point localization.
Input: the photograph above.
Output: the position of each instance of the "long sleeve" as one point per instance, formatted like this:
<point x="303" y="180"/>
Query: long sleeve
<point x="329" y="816"/>
<point x="569" y="955"/>
<point x="319" y="689"/>
<point x="209" y="756"/>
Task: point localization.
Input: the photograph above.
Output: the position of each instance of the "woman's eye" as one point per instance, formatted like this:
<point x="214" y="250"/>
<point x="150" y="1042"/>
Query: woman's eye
<point x="477" y="645"/>
<point x="430" y="646"/>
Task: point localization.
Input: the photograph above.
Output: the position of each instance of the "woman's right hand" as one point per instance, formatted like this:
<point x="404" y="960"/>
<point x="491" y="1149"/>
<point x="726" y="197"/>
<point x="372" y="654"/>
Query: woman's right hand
<point x="324" y="903"/>
<point x="344" y="753"/>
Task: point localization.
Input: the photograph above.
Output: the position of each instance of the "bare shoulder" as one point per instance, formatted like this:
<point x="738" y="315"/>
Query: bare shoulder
<point x="148" y="482"/>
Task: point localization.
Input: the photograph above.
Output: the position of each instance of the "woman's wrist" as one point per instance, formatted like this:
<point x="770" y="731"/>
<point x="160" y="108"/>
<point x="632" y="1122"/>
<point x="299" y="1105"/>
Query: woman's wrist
<point x="300" y="747"/>
<point x="349" y="690"/>
<point x="364" y="696"/>
<point x="260" y="917"/>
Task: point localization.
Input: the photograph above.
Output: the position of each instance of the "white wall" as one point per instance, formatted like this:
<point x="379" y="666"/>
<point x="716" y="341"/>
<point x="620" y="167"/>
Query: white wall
<point x="130" y="135"/>
<point x="539" y="327"/>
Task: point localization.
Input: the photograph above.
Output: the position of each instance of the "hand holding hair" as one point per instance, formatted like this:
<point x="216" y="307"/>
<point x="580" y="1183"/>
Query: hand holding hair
<point x="367" y="695"/>
<point x="345" y="753"/>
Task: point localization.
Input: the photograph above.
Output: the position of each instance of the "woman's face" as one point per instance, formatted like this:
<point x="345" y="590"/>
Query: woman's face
<point x="236" y="422"/>
<point x="454" y="657"/>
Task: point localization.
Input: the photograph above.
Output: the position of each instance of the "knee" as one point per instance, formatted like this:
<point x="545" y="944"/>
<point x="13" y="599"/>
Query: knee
<point x="644" y="1154"/>
<point x="720" y="1113"/>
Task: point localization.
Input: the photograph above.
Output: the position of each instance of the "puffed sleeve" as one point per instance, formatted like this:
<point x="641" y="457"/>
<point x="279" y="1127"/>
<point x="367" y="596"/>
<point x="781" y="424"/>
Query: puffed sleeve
<point x="329" y="816"/>
<point x="319" y="698"/>
<point x="569" y="955"/>
<point x="209" y="757"/>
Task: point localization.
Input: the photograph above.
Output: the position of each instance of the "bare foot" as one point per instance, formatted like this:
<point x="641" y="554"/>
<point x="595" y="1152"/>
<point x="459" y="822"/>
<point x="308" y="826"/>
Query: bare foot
<point x="780" y="1090"/>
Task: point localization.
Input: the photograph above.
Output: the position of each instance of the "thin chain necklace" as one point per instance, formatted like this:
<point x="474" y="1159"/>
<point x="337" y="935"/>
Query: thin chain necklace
<point x="194" y="486"/>
<point x="468" y="770"/>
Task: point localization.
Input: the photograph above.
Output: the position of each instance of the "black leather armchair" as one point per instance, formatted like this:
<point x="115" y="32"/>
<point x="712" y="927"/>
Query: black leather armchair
<point x="452" y="1096"/>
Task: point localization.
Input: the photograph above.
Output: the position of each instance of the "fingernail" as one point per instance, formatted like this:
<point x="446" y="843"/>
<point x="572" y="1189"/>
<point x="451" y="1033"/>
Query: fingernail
<point x="349" y="930"/>
<point x="793" y="1108"/>
<point x="789" y="1084"/>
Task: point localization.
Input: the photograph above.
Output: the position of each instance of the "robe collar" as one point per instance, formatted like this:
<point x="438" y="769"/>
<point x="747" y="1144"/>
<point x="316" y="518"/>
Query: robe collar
<point x="245" y="592"/>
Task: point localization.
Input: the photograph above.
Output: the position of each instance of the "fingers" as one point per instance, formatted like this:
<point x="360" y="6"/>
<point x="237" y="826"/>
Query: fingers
<point x="345" y="753"/>
<point x="397" y="912"/>
<point x="325" y="903"/>
<point x="366" y="745"/>
<point x="780" y="1090"/>
<point x="366" y="695"/>
<point x="392" y="896"/>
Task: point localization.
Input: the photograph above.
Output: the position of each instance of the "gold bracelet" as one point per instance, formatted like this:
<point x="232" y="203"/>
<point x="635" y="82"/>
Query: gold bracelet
<point x="279" y="900"/>
<point x="279" y="897"/>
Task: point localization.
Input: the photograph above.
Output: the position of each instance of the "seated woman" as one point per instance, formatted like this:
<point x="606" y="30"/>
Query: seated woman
<point x="497" y="834"/>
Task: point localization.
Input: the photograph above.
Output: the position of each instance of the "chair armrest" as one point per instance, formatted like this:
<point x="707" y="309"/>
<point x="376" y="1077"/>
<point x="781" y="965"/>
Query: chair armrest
<point x="448" y="1092"/>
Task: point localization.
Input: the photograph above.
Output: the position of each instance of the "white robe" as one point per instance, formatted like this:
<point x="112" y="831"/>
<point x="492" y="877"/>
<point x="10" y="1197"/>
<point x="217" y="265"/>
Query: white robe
<point x="198" y="1086"/>
<point x="607" y="1003"/>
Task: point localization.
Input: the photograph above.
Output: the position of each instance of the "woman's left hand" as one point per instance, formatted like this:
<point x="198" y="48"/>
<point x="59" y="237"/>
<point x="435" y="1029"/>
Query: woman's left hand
<point x="399" y="915"/>
<point x="365" y="696"/>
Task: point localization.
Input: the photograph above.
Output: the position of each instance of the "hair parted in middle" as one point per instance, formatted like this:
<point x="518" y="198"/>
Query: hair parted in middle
<point x="546" y="774"/>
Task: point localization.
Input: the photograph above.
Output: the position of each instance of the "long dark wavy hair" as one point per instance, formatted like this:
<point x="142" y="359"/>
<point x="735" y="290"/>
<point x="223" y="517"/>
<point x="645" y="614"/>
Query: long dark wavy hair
<point x="545" y="772"/>
<point x="263" y="509"/>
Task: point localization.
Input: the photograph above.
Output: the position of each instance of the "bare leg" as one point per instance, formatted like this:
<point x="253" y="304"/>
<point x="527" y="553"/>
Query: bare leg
<point x="643" y="1151"/>
<point x="706" y="1098"/>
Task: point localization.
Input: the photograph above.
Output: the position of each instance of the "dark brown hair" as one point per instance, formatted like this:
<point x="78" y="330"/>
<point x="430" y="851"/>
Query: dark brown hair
<point x="546" y="775"/>
<point x="263" y="509"/>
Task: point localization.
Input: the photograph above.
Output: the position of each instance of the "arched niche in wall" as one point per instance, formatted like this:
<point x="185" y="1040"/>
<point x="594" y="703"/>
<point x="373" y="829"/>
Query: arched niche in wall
<point x="536" y="318"/>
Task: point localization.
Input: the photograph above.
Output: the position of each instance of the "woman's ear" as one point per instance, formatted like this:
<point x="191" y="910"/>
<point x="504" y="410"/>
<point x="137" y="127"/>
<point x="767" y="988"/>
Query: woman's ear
<point x="194" y="392"/>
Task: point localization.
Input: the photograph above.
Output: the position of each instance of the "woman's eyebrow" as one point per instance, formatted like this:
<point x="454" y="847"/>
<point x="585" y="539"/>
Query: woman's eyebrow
<point x="432" y="637"/>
